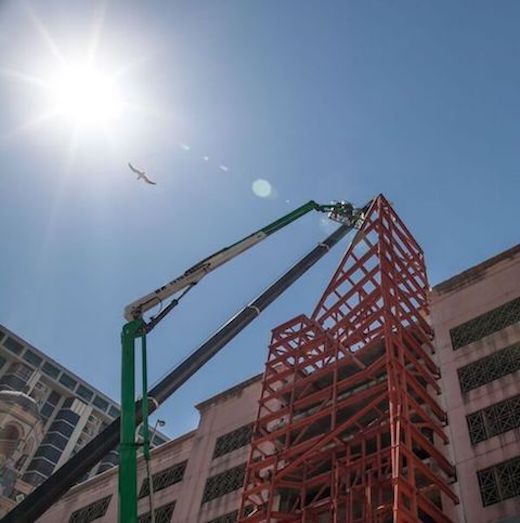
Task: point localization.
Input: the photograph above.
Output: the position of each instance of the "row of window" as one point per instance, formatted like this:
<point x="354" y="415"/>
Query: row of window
<point x="164" y="479"/>
<point x="13" y="345"/>
<point x="51" y="448"/>
<point x="500" y="482"/>
<point x="216" y="486"/>
<point x="224" y="483"/>
<point x="99" y="508"/>
<point x="489" y="368"/>
<point x="233" y="440"/>
<point x="91" y="512"/>
<point x="493" y="420"/>
<point x="57" y="374"/>
<point x="486" y="324"/>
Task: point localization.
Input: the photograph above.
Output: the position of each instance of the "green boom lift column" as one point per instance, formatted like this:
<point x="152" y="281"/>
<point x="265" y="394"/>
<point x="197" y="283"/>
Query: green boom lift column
<point x="137" y="328"/>
<point x="128" y="446"/>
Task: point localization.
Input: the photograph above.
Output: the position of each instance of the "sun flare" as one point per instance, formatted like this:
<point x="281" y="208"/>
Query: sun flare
<point x="85" y="89"/>
<point x="84" y="95"/>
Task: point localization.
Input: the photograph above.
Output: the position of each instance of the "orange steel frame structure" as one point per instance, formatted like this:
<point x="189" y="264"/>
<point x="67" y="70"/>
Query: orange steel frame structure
<point x="348" y="427"/>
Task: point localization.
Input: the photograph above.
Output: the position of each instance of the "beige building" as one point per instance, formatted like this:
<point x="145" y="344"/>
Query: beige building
<point x="197" y="476"/>
<point x="476" y="315"/>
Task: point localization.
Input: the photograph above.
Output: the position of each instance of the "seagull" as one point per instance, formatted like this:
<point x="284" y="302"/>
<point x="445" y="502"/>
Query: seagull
<point x="140" y="174"/>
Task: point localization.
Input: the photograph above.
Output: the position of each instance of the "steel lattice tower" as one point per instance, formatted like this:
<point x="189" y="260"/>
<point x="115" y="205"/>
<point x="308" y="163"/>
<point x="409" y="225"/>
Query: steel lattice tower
<point x="348" y="427"/>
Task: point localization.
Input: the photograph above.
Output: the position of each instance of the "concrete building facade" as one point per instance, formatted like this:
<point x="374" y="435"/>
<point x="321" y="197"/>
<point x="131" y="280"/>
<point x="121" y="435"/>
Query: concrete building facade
<point x="476" y="317"/>
<point x="198" y="477"/>
<point x="47" y="413"/>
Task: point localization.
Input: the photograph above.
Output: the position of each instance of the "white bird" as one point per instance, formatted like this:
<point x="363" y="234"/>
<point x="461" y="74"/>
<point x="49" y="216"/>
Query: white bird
<point x="140" y="174"/>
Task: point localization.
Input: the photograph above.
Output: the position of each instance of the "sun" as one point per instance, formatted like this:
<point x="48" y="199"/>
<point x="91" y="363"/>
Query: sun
<point x="85" y="87"/>
<point x="85" y="96"/>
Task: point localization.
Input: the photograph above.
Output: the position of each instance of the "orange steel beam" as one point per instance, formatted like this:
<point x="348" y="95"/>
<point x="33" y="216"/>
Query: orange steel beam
<point x="347" y="416"/>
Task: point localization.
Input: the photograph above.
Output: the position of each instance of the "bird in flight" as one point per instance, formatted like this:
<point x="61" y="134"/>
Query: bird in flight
<point x="140" y="174"/>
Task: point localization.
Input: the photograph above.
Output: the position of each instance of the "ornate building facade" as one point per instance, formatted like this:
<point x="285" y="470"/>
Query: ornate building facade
<point x="47" y="413"/>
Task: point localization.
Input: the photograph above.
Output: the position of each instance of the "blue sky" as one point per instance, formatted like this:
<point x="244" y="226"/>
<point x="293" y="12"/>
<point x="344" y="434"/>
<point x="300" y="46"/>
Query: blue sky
<point x="324" y="100"/>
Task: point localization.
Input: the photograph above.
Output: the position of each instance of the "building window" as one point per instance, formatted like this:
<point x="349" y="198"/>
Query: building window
<point x="500" y="482"/>
<point x="233" y="440"/>
<point x="55" y="439"/>
<point x="50" y="370"/>
<point x="489" y="368"/>
<point x="164" y="479"/>
<point x="17" y="376"/>
<point x="34" y="478"/>
<point x="21" y="370"/>
<point x="42" y="466"/>
<point x="68" y="416"/>
<point x="2" y="362"/>
<point x="157" y="440"/>
<point x="69" y="401"/>
<point x="12" y="382"/>
<point x="100" y="403"/>
<point x="13" y="345"/>
<point x="114" y="412"/>
<point x="84" y="393"/>
<point x="32" y="358"/>
<point x="486" y="324"/>
<point x="66" y="380"/>
<point x="224" y="483"/>
<point x="91" y="512"/>
<point x="2" y="334"/>
<point x="53" y="398"/>
<point x="49" y="453"/>
<point x="493" y="420"/>
<point x="109" y="461"/>
<point x="162" y="514"/>
<point x="47" y="410"/>
<point x="62" y="427"/>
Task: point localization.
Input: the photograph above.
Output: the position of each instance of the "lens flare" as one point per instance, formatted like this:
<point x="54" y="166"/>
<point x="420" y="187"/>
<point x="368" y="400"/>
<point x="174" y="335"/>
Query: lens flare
<point x="262" y="188"/>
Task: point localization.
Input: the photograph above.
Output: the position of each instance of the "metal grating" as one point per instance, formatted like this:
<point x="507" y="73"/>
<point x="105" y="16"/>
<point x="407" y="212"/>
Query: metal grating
<point x="489" y="368"/>
<point x="486" y="324"/>
<point x="499" y="482"/>
<point x="164" y="479"/>
<point x="162" y="514"/>
<point x="223" y="483"/>
<point x="233" y="440"/>
<point x="493" y="420"/>
<point x="91" y="512"/>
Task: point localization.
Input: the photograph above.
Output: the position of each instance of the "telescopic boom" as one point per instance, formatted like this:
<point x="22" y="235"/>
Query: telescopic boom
<point x="338" y="211"/>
